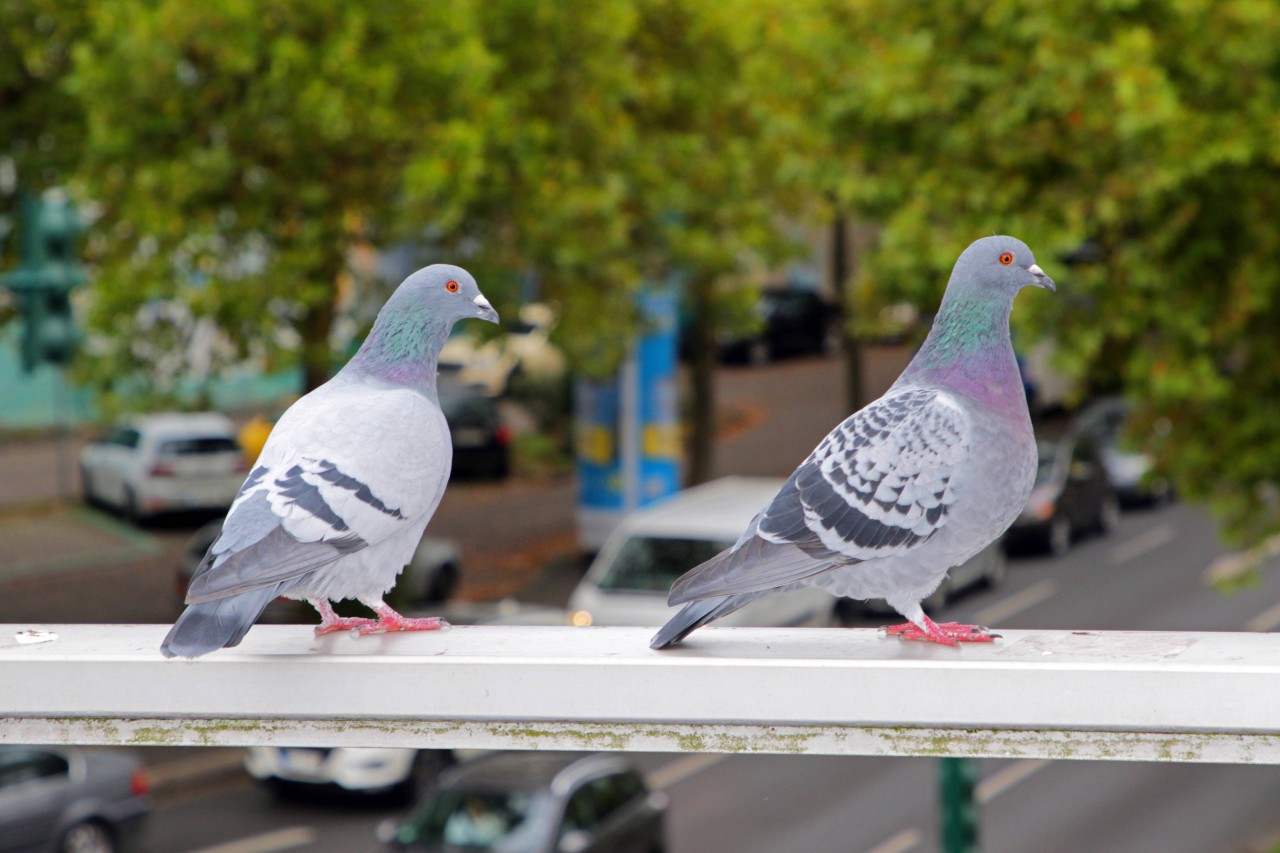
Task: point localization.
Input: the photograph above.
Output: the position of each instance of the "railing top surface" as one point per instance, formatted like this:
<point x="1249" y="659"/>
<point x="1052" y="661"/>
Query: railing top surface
<point x="468" y="679"/>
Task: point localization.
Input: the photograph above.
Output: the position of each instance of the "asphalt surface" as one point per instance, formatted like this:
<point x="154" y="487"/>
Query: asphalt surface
<point x="1148" y="575"/>
<point x="60" y="563"/>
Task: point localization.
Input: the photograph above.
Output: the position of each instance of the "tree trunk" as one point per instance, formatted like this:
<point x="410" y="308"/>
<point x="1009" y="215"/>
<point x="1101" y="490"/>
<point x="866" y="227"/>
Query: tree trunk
<point x="850" y="346"/>
<point x="702" y="411"/>
<point x="315" y="325"/>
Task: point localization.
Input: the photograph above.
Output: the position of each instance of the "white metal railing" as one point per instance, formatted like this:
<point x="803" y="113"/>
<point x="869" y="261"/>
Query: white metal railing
<point x="1047" y="694"/>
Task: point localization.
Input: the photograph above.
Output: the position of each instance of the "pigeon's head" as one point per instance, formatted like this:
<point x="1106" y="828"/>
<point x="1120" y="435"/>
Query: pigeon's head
<point x="448" y="292"/>
<point x="1002" y="263"/>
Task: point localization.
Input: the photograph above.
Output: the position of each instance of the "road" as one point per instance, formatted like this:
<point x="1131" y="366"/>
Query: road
<point x="1149" y="575"/>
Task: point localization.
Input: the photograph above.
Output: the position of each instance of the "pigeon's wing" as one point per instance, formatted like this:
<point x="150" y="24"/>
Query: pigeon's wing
<point x="878" y="485"/>
<point x="339" y="473"/>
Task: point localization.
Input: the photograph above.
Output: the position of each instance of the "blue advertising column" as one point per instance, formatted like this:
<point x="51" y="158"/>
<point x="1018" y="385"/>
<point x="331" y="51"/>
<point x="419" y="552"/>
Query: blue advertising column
<point x="628" y="427"/>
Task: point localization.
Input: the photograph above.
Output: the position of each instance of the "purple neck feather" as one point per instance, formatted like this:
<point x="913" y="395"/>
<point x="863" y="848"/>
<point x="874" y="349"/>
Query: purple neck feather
<point x="403" y="348"/>
<point x="968" y="351"/>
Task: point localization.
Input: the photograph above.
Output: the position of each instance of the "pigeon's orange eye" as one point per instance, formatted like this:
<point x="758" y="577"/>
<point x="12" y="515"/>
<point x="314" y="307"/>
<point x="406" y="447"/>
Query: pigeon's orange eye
<point x="1006" y="258"/>
<point x="451" y="286"/>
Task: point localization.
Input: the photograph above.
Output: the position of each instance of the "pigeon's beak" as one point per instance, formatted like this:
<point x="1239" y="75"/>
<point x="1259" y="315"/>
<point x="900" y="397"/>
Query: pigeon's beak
<point x="1041" y="279"/>
<point x="486" y="311"/>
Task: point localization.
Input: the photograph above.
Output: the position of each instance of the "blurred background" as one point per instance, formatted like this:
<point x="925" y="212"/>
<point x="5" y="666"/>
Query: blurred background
<point x="712" y="230"/>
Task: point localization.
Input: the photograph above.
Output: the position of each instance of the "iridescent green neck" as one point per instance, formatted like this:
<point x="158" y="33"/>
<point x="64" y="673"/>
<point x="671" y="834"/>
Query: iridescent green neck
<point x="969" y="349"/>
<point x="403" y="348"/>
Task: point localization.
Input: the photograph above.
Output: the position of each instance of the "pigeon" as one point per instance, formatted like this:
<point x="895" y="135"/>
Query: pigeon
<point x="345" y="485"/>
<point x="904" y="489"/>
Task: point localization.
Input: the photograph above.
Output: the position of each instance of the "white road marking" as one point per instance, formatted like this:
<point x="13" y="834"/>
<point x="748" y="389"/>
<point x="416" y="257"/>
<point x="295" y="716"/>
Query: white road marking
<point x="267" y="842"/>
<point x="1232" y="565"/>
<point x="995" y="613"/>
<point x="675" y="772"/>
<point x="1266" y="620"/>
<point x="1006" y="777"/>
<point x="900" y="843"/>
<point x="985" y="791"/>
<point x="1157" y="536"/>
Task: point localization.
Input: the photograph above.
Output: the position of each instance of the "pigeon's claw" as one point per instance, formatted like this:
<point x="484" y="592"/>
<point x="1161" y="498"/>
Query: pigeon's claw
<point x="338" y="624"/>
<point x="395" y="622"/>
<point x="945" y="633"/>
<point x="388" y="620"/>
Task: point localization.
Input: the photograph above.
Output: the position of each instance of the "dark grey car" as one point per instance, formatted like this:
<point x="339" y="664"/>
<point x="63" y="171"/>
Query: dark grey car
<point x="535" y="802"/>
<point x="1072" y="495"/>
<point x="70" y="800"/>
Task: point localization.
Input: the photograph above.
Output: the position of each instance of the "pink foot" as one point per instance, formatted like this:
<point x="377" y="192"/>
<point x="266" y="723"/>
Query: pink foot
<point x="388" y="620"/>
<point x="338" y="624"/>
<point x="946" y="633"/>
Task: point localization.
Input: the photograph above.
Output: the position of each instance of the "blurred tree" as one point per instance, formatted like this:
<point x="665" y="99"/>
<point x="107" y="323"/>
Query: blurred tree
<point x="41" y="124"/>
<point x="243" y="150"/>
<point x="621" y="147"/>
<point x="1145" y="128"/>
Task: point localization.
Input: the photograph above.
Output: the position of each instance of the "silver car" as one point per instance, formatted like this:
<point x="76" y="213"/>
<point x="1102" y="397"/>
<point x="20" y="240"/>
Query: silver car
<point x="70" y="800"/>
<point x="628" y="582"/>
<point x="162" y="463"/>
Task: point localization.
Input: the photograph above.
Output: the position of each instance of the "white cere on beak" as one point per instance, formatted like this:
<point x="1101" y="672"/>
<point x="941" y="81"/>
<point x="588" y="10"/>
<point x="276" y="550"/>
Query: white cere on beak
<point x="1034" y="269"/>
<point x="481" y="301"/>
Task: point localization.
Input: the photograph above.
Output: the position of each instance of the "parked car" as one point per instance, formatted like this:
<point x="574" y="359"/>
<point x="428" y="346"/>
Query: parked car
<point x="1072" y="495"/>
<point x="793" y="322"/>
<point x="1129" y="469"/>
<point x="430" y="577"/>
<point x="481" y="440"/>
<point x="152" y="464"/>
<point x="71" y="800"/>
<point x="987" y="569"/>
<point x="401" y="772"/>
<point x="628" y="581"/>
<point x="490" y="364"/>
<point x="535" y="802"/>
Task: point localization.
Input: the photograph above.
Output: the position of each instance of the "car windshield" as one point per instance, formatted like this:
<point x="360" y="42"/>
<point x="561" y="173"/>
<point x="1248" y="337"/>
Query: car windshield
<point x="474" y="820"/>
<point x="651" y="563"/>
<point x="198" y="446"/>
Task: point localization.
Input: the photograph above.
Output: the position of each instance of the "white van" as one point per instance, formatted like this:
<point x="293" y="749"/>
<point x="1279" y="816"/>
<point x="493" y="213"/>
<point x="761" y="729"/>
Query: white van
<point x="628" y="581"/>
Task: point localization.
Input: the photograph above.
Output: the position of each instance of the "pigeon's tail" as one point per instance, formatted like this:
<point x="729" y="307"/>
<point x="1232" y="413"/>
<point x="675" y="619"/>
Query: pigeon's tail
<point x="695" y="614"/>
<point x="211" y="625"/>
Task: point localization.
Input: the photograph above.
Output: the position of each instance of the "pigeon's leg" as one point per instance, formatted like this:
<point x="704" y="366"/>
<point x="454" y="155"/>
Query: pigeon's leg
<point x="946" y="633"/>
<point x="332" y="623"/>
<point x="390" y="620"/>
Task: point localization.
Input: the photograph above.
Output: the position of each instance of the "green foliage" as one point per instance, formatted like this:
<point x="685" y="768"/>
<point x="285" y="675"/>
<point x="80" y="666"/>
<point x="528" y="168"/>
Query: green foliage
<point x="243" y="151"/>
<point x="1146" y="127"/>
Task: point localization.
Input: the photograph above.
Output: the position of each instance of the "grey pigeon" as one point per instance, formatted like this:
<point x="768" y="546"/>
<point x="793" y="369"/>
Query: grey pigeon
<point x="346" y="483"/>
<point x="911" y="485"/>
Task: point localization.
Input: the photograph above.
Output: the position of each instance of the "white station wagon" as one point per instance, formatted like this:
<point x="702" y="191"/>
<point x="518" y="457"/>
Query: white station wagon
<point x="162" y="463"/>
<point x="628" y="581"/>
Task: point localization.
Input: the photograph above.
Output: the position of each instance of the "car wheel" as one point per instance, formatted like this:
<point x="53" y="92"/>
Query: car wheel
<point x="86" y="488"/>
<point x="87" y="837"/>
<point x="501" y="468"/>
<point x="442" y="585"/>
<point x="1059" y="538"/>
<point x="132" y="513"/>
<point x="939" y="597"/>
<point x="427" y="765"/>
<point x="1109" y="514"/>
<point x="759" y="352"/>
<point x="998" y="570"/>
